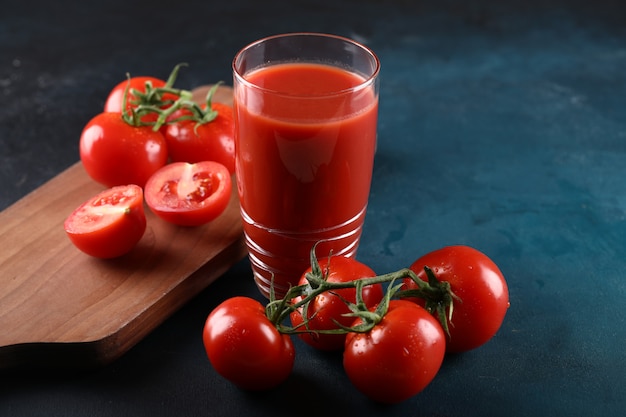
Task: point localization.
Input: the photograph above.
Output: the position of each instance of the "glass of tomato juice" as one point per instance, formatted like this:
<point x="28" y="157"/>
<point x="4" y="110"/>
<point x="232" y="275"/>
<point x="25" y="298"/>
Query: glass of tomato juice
<point x="306" y="108"/>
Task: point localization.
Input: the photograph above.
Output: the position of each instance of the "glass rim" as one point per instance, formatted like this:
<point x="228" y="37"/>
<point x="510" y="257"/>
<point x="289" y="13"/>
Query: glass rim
<point x="367" y="81"/>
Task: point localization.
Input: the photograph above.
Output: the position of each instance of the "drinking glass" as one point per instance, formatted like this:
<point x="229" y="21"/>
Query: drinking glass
<point x="306" y="108"/>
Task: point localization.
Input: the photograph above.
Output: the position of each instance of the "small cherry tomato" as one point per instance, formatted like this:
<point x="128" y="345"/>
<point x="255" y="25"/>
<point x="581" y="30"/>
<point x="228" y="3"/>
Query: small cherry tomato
<point x="244" y="347"/>
<point x="189" y="194"/>
<point x="188" y="141"/>
<point x="114" y="152"/>
<point x="479" y="284"/>
<point x="115" y="99"/>
<point x="398" y="357"/>
<point x="329" y="306"/>
<point x="109" y="224"/>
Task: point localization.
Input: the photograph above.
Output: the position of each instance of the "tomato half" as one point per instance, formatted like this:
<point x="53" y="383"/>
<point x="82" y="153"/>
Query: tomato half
<point x="114" y="152"/>
<point x="211" y="141"/>
<point x="398" y="357"/>
<point x="109" y="224"/>
<point x="329" y="306"/>
<point x="189" y="194"/>
<point x="115" y="99"/>
<point x="480" y="286"/>
<point x="245" y="347"/>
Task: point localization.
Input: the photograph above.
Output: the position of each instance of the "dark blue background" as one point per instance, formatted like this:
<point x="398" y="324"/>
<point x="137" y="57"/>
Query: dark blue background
<point x="502" y="126"/>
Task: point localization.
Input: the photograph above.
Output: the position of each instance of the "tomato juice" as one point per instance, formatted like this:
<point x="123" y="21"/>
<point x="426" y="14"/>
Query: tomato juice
<point x="305" y="142"/>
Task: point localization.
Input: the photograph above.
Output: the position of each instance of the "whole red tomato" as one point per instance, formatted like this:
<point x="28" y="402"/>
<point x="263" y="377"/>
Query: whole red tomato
<point x="188" y="141"/>
<point x="137" y="86"/>
<point x="327" y="307"/>
<point x="398" y="357"/>
<point x="115" y="152"/>
<point x="109" y="224"/>
<point x="479" y="284"/>
<point x="245" y="347"/>
<point x="189" y="194"/>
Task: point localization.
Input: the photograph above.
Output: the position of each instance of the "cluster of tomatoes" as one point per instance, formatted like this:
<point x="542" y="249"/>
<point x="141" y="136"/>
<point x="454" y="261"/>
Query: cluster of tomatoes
<point x="394" y="329"/>
<point x="152" y="142"/>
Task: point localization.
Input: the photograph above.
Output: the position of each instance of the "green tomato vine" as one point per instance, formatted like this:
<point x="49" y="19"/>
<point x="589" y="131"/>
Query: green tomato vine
<point x="154" y="100"/>
<point x="438" y="296"/>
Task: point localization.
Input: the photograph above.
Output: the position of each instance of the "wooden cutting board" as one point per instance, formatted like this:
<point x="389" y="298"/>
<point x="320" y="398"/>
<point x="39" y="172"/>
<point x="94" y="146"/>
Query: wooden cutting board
<point x="60" y="308"/>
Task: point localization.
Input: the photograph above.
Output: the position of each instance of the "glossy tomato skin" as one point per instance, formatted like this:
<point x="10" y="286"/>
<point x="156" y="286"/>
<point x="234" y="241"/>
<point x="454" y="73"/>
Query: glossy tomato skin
<point x="399" y="357"/>
<point x="481" y="287"/>
<point x="109" y="224"/>
<point x="115" y="99"/>
<point x="211" y="141"/>
<point x="244" y="347"/>
<point x="189" y="194"/>
<point x="329" y="306"/>
<point x="116" y="153"/>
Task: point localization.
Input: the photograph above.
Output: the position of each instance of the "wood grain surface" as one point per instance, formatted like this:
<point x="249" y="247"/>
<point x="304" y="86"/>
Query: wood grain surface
<point x="60" y="308"/>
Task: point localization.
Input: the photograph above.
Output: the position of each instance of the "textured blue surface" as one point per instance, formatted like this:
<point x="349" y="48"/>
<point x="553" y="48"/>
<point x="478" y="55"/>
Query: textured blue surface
<point x="502" y="126"/>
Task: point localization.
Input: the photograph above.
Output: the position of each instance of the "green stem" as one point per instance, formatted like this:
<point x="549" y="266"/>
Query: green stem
<point x="151" y="100"/>
<point x="437" y="295"/>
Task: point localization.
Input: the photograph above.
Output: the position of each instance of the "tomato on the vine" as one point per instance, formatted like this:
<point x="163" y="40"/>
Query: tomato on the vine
<point x="190" y="141"/>
<point x="115" y="99"/>
<point x="109" y="224"/>
<point x="245" y="347"/>
<point x="115" y="152"/>
<point x="328" y="307"/>
<point x="189" y="194"/>
<point x="399" y="356"/>
<point x="480" y="287"/>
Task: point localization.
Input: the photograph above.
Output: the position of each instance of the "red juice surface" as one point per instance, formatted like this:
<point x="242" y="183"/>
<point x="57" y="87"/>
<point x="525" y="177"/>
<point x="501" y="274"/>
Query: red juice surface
<point x="304" y="161"/>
